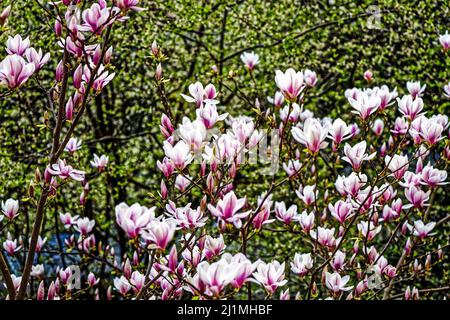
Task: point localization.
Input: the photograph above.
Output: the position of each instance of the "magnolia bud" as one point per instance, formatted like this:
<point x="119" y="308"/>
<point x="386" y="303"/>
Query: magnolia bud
<point x="41" y="291"/>
<point x="4" y="15"/>
<point x="164" y="191"/>
<point x="155" y="48"/>
<point x="159" y="72"/>
<point x="37" y="175"/>
<point x="107" y="56"/>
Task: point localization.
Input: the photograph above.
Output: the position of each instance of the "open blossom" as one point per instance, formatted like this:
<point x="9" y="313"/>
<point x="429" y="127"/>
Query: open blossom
<point x="17" y="45"/>
<point x="37" y="58"/>
<point x="292" y="167"/>
<point x="100" y="162"/>
<point x="422" y="230"/>
<point x="244" y="266"/>
<point x="209" y="115"/>
<point x="357" y="154"/>
<point x="73" y="145"/>
<point x="270" y="275"/>
<point x="433" y="177"/>
<point x="410" y="107"/>
<point x="416" y="197"/>
<point x="364" y="104"/>
<point x="313" y="134"/>
<point x="250" y="60"/>
<point x="133" y="219"/>
<point x="306" y="221"/>
<point x="415" y="89"/>
<point x="308" y="194"/>
<point x="193" y="133"/>
<point x="227" y="209"/>
<point x="351" y="185"/>
<point x="444" y="40"/>
<point x="291" y="113"/>
<point x="310" y="78"/>
<point x="201" y="95"/>
<point x="339" y="131"/>
<point x="368" y="229"/>
<point x="286" y="216"/>
<point x="336" y="283"/>
<point x="182" y="182"/>
<point x="128" y="5"/>
<point x="400" y="126"/>
<point x="10" y="208"/>
<point x="301" y="264"/>
<point x="397" y="164"/>
<point x="65" y="171"/>
<point x="290" y="83"/>
<point x="14" y="71"/>
<point x="84" y="226"/>
<point x="216" y="276"/>
<point x="214" y="246"/>
<point x="159" y="233"/>
<point x="378" y="126"/>
<point x="187" y="218"/>
<point x="95" y="19"/>
<point x="341" y="210"/>
<point x="10" y="245"/>
<point x="180" y="154"/>
<point x="277" y="100"/>
<point x="431" y="131"/>
<point x="122" y="285"/>
<point x="262" y="216"/>
<point x="67" y="219"/>
<point x="324" y="236"/>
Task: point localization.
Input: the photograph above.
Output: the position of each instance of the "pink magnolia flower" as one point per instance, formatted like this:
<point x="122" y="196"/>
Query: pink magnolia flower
<point x="285" y="216"/>
<point x="14" y="71"/>
<point x="133" y="219"/>
<point x="364" y="104"/>
<point x="101" y="79"/>
<point x="410" y="107"/>
<point x="422" y="230"/>
<point x="137" y="281"/>
<point x="341" y="210"/>
<point x="166" y="166"/>
<point x="310" y="78"/>
<point x="324" y="236"/>
<point x="301" y="264"/>
<point x="336" y="283"/>
<point x="307" y="194"/>
<point x="159" y="233"/>
<point x="84" y="226"/>
<point x="209" y="115"/>
<point x="65" y="171"/>
<point x="357" y="154"/>
<point x="194" y="256"/>
<point x="11" y="246"/>
<point x="67" y="219"/>
<point x="292" y="167"/>
<point x="5" y="15"/>
<point x="36" y="58"/>
<point x="290" y="83"/>
<point x="122" y="285"/>
<point x="182" y="182"/>
<point x="433" y="177"/>
<point x="339" y="131"/>
<point x="400" y="126"/>
<point x="128" y="5"/>
<point x="291" y="113"/>
<point x="201" y="95"/>
<point x="17" y="45"/>
<point x="351" y="185"/>
<point x="227" y="209"/>
<point x="397" y="164"/>
<point x="187" y="218"/>
<point x="193" y="133"/>
<point x="431" y="131"/>
<point x="245" y="268"/>
<point x="313" y="134"/>
<point x="368" y="75"/>
<point x="378" y="126"/>
<point x="214" y="246"/>
<point x="416" y="197"/>
<point x="40" y="243"/>
<point x="262" y="216"/>
<point x="368" y="229"/>
<point x="270" y="275"/>
<point x="444" y="40"/>
<point x="92" y="280"/>
<point x="73" y="145"/>
<point x="180" y="154"/>
<point x="216" y="276"/>
<point x="415" y="89"/>
<point x="250" y="60"/>
<point x="338" y="261"/>
<point x="100" y="162"/>
<point x="411" y="179"/>
<point x="277" y="100"/>
<point x="386" y="96"/>
<point x="95" y="19"/>
<point x="10" y="209"/>
<point x="306" y="221"/>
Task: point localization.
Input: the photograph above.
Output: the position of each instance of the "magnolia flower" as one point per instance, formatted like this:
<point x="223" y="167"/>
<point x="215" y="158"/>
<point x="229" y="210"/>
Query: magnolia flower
<point x="290" y="83"/>
<point x="14" y="71"/>
<point x="415" y="89"/>
<point x="11" y="246"/>
<point x="364" y="104"/>
<point x="378" y="126"/>
<point x="84" y="226"/>
<point x="291" y="113"/>
<point x="216" y="276"/>
<point x="67" y="219"/>
<point x="433" y="177"/>
<point x="179" y="154"/>
<point x="335" y="283"/>
<point x="416" y="197"/>
<point x="100" y="162"/>
<point x="193" y="133"/>
<point x="182" y="182"/>
<point x="341" y="210"/>
<point x="17" y="45"/>
<point x="250" y="60"/>
<point x="65" y="171"/>
<point x="431" y="131"/>
<point x="310" y="78"/>
<point x="128" y="5"/>
<point x="37" y="271"/>
<point x="95" y="19"/>
<point x="400" y="126"/>
<point x="301" y="264"/>
<point x="209" y="115"/>
<point x="36" y="58"/>
<point x="324" y="236"/>
<point x="159" y="233"/>
<point x="444" y="40"/>
<point x="422" y="230"/>
<point x="292" y="167"/>
<point x="214" y="246"/>
<point x="133" y="219"/>
<point x="277" y="100"/>
<point x="339" y="131"/>
<point x="306" y="221"/>
<point x="122" y="285"/>
<point x="351" y="185"/>
<point x="245" y="268"/>
<point x="10" y="209"/>
<point x="368" y="75"/>
<point x="368" y="229"/>
<point x="227" y="209"/>
<point x="270" y="275"/>
<point x="357" y="154"/>
<point x="286" y="216"/>
<point x="312" y="135"/>
<point x="410" y="107"/>
<point x="308" y="194"/>
<point x="187" y="218"/>
<point x="73" y="145"/>
<point x="201" y="95"/>
<point x="397" y="164"/>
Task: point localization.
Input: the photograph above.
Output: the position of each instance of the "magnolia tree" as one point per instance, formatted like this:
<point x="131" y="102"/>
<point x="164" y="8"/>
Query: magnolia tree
<point x="353" y="197"/>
